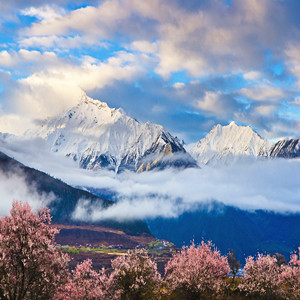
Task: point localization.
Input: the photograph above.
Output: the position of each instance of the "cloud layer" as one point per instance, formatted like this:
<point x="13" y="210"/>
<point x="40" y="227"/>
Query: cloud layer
<point x="265" y="184"/>
<point x="269" y="185"/>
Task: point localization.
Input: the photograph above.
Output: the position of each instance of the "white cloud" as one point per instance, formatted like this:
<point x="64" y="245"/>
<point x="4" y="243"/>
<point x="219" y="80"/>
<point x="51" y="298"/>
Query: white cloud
<point x="253" y="75"/>
<point x="6" y="59"/>
<point x="44" y="12"/>
<point x="57" y="84"/>
<point x="172" y="58"/>
<point x="86" y="76"/>
<point x="270" y="185"/>
<point x="68" y="78"/>
<point x="216" y="104"/>
<point x="265" y="110"/>
<point x="94" y="22"/>
<point x="178" y="85"/>
<point x="5" y="76"/>
<point x="263" y="92"/>
<point x="292" y="53"/>
<point x="213" y="38"/>
<point x="24" y="192"/>
<point x="296" y="102"/>
<point x="31" y="60"/>
<point x="211" y="102"/>
<point x="128" y="209"/>
<point x="216" y="38"/>
<point x="143" y="46"/>
<point x="14" y="123"/>
<point x="52" y="41"/>
<point x="158" y="109"/>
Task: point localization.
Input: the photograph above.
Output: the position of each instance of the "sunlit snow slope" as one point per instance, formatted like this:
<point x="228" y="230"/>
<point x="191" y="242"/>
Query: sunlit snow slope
<point x="97" y="136"/>
<point x="224" y="145"/>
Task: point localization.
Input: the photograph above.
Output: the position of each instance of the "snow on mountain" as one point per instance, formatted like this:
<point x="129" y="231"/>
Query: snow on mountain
<point x="286" y="149"/>
<point x="224" y="145"/>
<point x="97" y="136"/>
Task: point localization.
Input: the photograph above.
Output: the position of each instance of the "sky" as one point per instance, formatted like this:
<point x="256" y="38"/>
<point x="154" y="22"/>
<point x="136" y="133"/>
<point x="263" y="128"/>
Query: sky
<point x="187" y="65"/>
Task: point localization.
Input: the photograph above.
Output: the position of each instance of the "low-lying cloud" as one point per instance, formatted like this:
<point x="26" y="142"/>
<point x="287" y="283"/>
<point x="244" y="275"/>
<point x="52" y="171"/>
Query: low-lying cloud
<point x="271" y="185"/>
<point x="13" y="186"/>
<point x="267" y="185"/>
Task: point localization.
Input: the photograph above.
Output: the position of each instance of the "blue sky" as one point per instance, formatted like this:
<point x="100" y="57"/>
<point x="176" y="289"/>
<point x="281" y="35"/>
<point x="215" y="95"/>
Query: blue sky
<point x="187" y="65"/>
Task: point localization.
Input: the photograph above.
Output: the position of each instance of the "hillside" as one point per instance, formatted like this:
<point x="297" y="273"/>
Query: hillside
<point x="67" y="197"/>
<point x="247" y="232"/>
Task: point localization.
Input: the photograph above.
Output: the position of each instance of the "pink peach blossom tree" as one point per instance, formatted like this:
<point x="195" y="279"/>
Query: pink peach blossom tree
<point x="262" y="278"/>
<point x="197" y="272"/>
<point x="291" y="277"/>
<point x="85" y="283"/>
<point x="30" y="265"/>
<point x="135" y="277"/>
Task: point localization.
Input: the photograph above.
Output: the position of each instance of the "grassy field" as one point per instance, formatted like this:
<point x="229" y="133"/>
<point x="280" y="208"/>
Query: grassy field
<point x="159" y="250"/>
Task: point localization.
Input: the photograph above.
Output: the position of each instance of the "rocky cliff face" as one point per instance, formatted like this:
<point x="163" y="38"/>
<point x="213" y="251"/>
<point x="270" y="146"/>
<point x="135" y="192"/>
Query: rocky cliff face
<point x="286" y="149"/>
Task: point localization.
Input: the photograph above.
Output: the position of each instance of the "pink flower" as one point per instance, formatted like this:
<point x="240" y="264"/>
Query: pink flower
<point x="135" y="276"/>
<point x="30" y="265"/>
<point x="263" y="278"/>
<point x="197" y="271"/>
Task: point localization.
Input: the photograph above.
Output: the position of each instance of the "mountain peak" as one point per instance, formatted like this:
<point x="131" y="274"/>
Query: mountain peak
<point x="232" y="123"/>
<point x="225" y="142"/>
<point x="85" y="100"/>
<point x="231" y="131"/>
<point x="83" y="96"/>
<point x="97" y="136"/>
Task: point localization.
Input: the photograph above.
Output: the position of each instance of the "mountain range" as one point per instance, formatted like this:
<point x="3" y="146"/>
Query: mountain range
<point x="225" y="145"/>
<point x="247" y="232"/>
<point x="97" y="137"/>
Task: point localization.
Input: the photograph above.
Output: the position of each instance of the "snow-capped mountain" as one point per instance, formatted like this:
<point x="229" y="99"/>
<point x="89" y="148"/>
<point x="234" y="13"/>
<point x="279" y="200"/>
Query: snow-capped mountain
<point x="97" y="136"/>
<point x="286" y="149"/>
<point x="224" y="145"/>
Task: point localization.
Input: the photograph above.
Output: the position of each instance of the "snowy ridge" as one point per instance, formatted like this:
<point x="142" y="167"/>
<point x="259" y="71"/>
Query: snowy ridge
<point x="97" y="136"/>
<point x="286" y="149"/>
<point x="224" y="145"/>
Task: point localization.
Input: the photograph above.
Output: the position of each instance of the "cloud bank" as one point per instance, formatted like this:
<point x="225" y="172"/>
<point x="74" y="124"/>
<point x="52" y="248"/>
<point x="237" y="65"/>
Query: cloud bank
<point x="267" y="185"/>
<point x="13" y="186"/>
